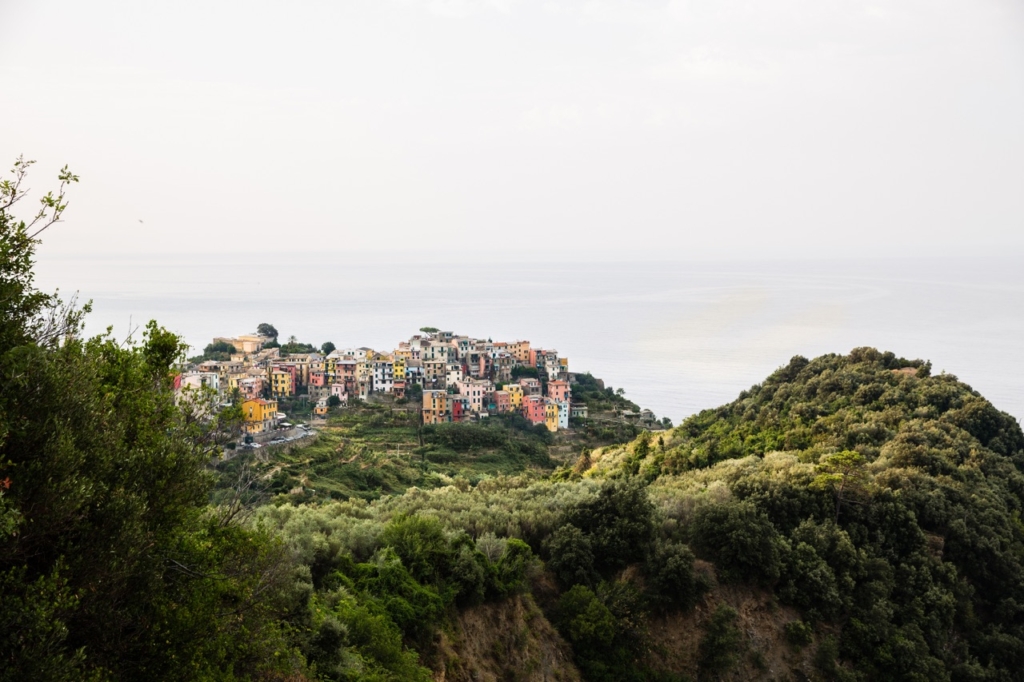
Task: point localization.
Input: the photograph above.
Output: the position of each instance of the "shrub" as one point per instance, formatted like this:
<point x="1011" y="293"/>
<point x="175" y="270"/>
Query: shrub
<point x="798" y="633"/>
<point x="571" y="556"/>
<point x="670" y="579"/>
<point x="741" y="541"/>
<point x="619" y="523"/>
<point x="720" y="646"/>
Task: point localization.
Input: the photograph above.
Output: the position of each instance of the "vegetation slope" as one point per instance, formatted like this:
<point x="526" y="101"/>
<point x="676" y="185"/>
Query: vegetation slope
<point x="852" y="518"/>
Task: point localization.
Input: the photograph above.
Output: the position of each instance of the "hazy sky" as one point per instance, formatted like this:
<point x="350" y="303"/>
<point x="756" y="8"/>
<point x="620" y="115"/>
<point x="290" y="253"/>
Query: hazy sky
<point x="680" y="129"/>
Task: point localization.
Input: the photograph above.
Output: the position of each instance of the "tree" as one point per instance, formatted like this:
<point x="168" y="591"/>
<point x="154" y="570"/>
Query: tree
<point x="843" y="474"/>
<point x="111" y="564"/>
<point x="333" y="401"/>
<point x="267" y="329"/>
<point x="618" y="522"/>
<point x="571" y="556"/>
<point x="429" y="330"/>
<point x="29" y="314"/>
<point x="740" y="539"/>
<point x="327" y="348"/>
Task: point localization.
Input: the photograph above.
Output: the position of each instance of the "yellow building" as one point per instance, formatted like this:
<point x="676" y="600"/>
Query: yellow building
<point x="234" y="378"/>
<point x="551" y="415"/>
<point x="435" y="407"/>
<point x="515" y="396"/>
<point x="398" y="366"/>
<point x="520" y="350"/>
<point x="281" y="383"/>
<point x="260" y="415"/>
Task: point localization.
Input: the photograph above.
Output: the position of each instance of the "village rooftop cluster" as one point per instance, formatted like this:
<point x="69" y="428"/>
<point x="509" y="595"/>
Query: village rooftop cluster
<point x="458" y="378"/>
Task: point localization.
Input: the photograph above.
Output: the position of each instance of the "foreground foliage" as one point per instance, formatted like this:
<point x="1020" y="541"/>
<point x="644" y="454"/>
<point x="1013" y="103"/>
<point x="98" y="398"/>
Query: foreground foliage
<point x="111" y="564"/>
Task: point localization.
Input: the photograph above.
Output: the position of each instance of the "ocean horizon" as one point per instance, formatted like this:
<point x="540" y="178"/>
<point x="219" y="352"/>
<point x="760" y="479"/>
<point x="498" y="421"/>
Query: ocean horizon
<point x="677" y="336"/>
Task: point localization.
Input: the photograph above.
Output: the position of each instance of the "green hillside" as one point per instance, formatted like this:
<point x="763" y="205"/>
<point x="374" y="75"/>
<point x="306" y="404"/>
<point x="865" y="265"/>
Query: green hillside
<point x="881" y="501"/>
<point x="851" y="518"/>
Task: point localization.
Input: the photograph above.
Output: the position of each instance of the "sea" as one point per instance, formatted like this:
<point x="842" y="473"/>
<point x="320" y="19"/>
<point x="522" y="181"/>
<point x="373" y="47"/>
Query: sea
<point x="677" y="337"/>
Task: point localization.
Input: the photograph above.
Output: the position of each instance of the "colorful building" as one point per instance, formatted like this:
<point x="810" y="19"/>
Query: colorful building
<point x="340" y="391"/>
<point x="383" y="374"/>
<point x="435" y="407"/>
<point x="459" y="407"/>
<point x="320" y="409"/>
<point x="559" y="391"/>
<point x="282" y="382"/>
<point x="533" y="409"/>
<point x="520" y="350"/>
<point x="530" y="386"/>
<point x="501" y="402"/>
<point x="475" y="391"/>
<point x="551" y="415"/>
<point x="260" y="415"/>
<point x="515" y="396"/>
<point x="250" y="387"/>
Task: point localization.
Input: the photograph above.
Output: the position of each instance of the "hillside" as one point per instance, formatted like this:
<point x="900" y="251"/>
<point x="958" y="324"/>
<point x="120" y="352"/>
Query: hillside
<point x="380" y="448"/>
<point x="852" y="517"/>
<point x="881" y="501"/>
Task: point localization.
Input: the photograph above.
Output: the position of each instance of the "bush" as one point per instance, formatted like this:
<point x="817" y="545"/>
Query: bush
<point x="798" y="633"/>
<point x="571" y="557"/>
<point x="720" y="646"/>
<point x="421" y="544"/>
<point x="741" y="541"/>
<point x="511" y="569"/>
<point x="670" y="579"/>
<point x="619" y="523"/>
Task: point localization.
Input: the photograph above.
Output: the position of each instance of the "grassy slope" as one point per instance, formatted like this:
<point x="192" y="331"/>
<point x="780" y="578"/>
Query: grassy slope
<point x="371" y="450"/>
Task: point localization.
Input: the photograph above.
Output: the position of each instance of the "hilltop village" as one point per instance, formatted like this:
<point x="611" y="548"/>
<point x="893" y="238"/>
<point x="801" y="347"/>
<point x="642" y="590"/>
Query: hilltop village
<point x="457" y="378"/>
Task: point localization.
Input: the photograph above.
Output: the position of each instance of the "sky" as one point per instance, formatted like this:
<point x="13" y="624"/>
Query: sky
<point x="547" y="130"/>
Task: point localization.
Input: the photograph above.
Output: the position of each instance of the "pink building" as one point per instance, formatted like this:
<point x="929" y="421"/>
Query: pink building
<point x="559" y="391"/>
<point x="292" y="370"/>
<point x="317" y="378"/>
<point x="502" y="403"/>
<point x="534" y="409"/>
<point x="345" y="373"/>
<point x="250" y="387"/>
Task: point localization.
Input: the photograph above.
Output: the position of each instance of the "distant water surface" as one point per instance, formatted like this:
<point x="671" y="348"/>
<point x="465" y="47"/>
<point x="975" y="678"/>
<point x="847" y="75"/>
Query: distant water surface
<point x="678" y="337"/>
